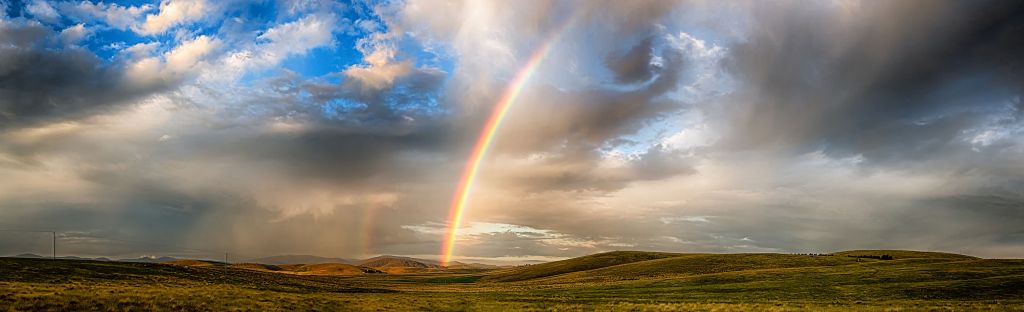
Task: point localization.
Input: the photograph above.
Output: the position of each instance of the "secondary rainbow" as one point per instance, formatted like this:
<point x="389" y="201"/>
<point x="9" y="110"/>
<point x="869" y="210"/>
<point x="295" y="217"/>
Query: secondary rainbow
<point x="483" y="142"/>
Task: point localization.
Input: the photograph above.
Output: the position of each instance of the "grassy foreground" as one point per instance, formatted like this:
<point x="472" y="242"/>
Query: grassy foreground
<point x="625" y="281"/>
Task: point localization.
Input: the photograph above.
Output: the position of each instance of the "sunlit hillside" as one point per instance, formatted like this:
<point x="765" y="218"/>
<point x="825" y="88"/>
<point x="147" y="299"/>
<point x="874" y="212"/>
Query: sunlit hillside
<point x="623" y="280"/>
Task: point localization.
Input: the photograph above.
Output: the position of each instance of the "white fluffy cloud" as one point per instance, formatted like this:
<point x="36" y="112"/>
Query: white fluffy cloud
<point x="173" y="13"/>
<point x="180" y="61"/>
<point x="43" y="10"/>
<point x="74" y="34"/>
<point x="115" y="15"/>
<point x="295" y="38"/>
<point x="275" y="45"/>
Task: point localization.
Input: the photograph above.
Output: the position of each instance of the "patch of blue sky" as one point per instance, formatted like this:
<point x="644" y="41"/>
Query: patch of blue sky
<point x="108" y="43"/>
<point x="426" y="55"/>
<point x="131" y="2"/>
<point x="325" y="60"/>
<point x="243" y="22"/>
<point x="651" y="134"/>
<point x="14" y="8"/>
<point x="414" y="100"/>
<point x="336" y="108"/>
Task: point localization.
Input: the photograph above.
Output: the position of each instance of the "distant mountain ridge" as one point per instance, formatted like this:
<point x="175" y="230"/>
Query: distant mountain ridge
<point x="149" y="259"/>
<point x="387" y="261"/>
<point x="300" y="259"/>
<point x="384" y="262"/>
<point x="27" y="255"/>
<point x="380" y="262"/>
<point x="145" y="259"/>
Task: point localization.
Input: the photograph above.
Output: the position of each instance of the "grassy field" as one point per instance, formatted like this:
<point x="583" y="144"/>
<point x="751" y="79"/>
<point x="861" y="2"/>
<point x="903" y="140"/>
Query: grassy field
<point x="626" y="281"/>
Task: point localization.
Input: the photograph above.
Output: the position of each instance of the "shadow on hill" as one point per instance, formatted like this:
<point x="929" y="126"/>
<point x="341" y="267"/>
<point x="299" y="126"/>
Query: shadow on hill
<point x="584" y="263"/>
<point x="633" y="265"/>
<point x="88" y="271"/>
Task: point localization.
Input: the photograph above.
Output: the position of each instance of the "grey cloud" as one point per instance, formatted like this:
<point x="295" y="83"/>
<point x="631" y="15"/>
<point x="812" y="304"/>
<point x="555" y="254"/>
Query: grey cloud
<point x="514" y="244"/>
<point x="387" y="139"/>
<point x="634" y="65"/>
<point x="39" y="84"/>
<point x="874" y="78"/>
<point x="581" y="170"/>
<point x="591" y="117"/>
<point x="577" y="128"/>
<point x="339" y="154"/>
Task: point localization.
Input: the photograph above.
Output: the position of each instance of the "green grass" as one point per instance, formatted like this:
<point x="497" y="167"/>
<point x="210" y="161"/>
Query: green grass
<point x="617" y="281"/>
<point x="455" y="279"/>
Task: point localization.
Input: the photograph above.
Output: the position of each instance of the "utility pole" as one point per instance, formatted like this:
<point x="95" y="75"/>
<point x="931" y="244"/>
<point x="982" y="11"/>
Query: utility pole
<point x="225" y="256"/>
<point x="54" y="244"/>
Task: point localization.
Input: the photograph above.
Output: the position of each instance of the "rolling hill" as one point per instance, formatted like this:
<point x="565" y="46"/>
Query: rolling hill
<point x="328" y="269"/>
<point x="636" y="265"/>
<point x="455" y="265"/>
<point x="298" y="269"/>
<point x="622" y="280"/>
<point x="905" y="254"/>
<point x="696" y="264"/>
<point x="574" y="265"/>
<point x="377" y="265"/>
<point x="393" y="263"/>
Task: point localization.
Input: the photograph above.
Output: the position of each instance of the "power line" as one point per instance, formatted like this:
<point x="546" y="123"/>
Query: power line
<point x="54" y="233"/>
<point x="175" y="248"/>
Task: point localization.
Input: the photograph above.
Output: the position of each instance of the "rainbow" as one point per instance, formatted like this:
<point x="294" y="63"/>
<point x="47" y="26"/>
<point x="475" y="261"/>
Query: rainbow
<point x="483" y="143"/>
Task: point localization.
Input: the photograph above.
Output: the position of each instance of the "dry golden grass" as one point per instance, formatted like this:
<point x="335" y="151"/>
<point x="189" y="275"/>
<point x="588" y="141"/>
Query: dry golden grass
<point x="625" y="281"/>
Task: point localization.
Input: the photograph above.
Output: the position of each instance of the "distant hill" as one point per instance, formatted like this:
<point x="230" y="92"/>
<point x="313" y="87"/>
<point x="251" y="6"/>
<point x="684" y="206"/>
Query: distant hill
<point x="148" y="259"/>
<point x="35" y="256"/>
<point x="299" y="259"/>
<point x="27" y="255"/>
<point x="471" y="266"/>
<point x="194" y="263"/>
<point x="299" y="269"/>
<point x="904" y="254"/>
<point x="82" y="258"/>
<point x="328" y="269"/>
<point x="387" y="261"/>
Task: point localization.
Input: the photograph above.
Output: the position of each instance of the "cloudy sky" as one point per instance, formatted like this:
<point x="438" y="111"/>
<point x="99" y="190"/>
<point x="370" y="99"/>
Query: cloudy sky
<point x="190" y="127"/>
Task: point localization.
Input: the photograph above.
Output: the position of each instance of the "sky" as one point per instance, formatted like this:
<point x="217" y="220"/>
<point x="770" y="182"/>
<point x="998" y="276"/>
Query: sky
<point x="191" y="128"/>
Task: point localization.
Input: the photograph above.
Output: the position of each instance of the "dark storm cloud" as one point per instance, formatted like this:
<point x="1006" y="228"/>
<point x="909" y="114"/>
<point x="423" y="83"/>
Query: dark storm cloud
<point x="42" y="83"/>
<point x="974" y="224"/>
<point x="338" y="154"/>
<point x="341" y="136"/>
<point x="581" y="170"/>
<point x="882" y="79"/>
<point x="575" y="126"/>
<point x="634" y="65"/>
